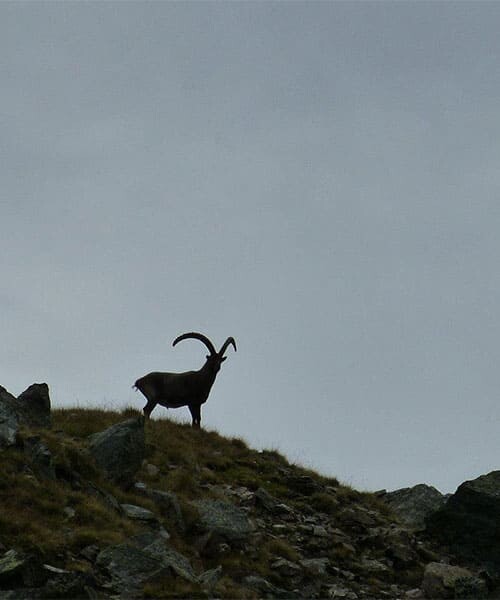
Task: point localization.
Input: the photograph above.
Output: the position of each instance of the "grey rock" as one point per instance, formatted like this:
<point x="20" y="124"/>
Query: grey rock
<point x="138" y="513"/>
<point x="70" y="584"/>
<point x="360" y="517"/>
<point x="69" y="513"/>
<point x="224" y="521"/>
<point x="90" y="552"/>
<point x="414" y="594"/>
<point x="338" y="591"/>
<point x="9" y="421"/>
<point x="169" y="505"/>
<point x="21" y="594"/>
<point x="286" y="567"/>
<point x="266" y="500"/>
<point x="19" y="569"/>
<point x="373" y="566"/>
<point x="302" y="484"/>
<point x="103" y="496"/>
<point x="40" y="457"/>
<point x="167" y="502"/>
<point x="345" y="548"/>
<point x="402" y="556"/>
<point x="176" y="561"/>
<point x="469" y="522"/>
<point x="315" y="566"/>
<point x="152" y="470"/>
<point x="209" y="578"/>
<point x="12" y="565"/>
<point x="141" y="488"/>
<point x="266" y="589"/>
<point x="271" y="504"/>
<point x="243" y="494"/>
<point x="414" y="504"/>
<point x="55" y="570"/>
<point x="446" y="581"/>
<point x="154" y="544"/>
<point x="129" y="568"/>
<point x="6" y="397"/>
<point x="224" y="548"/>
<point x="119" y="450"/>
<point x="33" y="406"/>
<point x="319" y="531"/>
<point x="285" y="512"/>
<point x="400" y="547"/>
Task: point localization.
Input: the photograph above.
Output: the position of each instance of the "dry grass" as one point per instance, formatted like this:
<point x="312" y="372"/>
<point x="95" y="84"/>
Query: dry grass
<point x="32" y="515"/>
<point x="281" y="548"/>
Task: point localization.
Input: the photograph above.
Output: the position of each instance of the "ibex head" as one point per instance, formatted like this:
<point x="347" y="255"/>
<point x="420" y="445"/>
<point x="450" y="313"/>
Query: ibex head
<point x="214" y="359"/>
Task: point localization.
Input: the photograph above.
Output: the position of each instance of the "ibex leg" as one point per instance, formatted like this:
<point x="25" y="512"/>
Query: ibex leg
<point x="148" y="409"/>
<point x="195" y="410"/>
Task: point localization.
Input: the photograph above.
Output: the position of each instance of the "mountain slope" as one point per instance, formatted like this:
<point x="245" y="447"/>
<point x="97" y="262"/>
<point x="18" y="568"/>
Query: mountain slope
<point x="158" y="510"/>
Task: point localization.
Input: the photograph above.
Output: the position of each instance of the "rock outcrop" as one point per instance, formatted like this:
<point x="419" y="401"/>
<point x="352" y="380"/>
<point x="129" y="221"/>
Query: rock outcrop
<point x="446" y="581"/>
<point x="9" y="421"/>
<point x="223" y="521"/>
<point x="39" y="456"/>
<point x="31" y="408"/>
<point x="413" y="505"/>
<point x="469" y="522"/>
<point x="128" y="568"/>
<point x="119" y="450"/>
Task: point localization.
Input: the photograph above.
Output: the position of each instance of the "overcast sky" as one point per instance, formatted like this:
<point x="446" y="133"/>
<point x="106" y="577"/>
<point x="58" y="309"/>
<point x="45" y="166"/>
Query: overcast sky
<point x="319" y="180"/>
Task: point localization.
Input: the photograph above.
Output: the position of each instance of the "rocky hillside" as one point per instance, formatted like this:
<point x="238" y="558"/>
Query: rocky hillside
<point x="99" y="504"/>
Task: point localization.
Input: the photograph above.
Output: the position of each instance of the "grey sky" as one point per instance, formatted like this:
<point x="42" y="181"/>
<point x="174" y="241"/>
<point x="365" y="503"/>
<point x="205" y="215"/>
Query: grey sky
<point x="318" y="180"/>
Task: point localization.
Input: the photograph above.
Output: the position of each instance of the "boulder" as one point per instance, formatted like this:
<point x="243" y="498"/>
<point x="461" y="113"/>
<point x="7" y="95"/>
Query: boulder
<point x="210" y="578"/>
<point x="40" y="457"/>
<point x="169" y="505"/>
<point x="224" y="521"/>
<point x="414" y="504"/>
<point x="90" y="552"/>
<point x="12" y="567"/>
<point x="315" y="566"/>
<point x="266" y="589"/>
<point x="302" y="484"/>
<point x="338" y="591"/>
<point x="269" y="503"/>
<point x="286" y="568"/>
<point x="102" y="495"/>
<point x="9" y="421"/>
<point x="447" y="581"/>
<point x="129" y="568"/>
<point x="119" y="450"/>
<point x="167" y="502"/>
<point x="400" y="548"/>
<point x="138" y="513"/>
<point x="33" y="406"/>
<point x="70" y="584"/>
<point x="155" y="545"/>
<point x="469" y="522"/>
<point x="20" y="569"/>
<point x="143" y="558"/>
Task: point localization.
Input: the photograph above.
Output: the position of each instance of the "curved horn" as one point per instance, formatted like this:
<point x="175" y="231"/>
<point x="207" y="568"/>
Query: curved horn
<point x="196" y="336"/>
<point x="229" y="341"/>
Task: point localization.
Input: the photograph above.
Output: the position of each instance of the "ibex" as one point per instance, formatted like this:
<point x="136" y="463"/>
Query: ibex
<point x="189" y="389"/>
